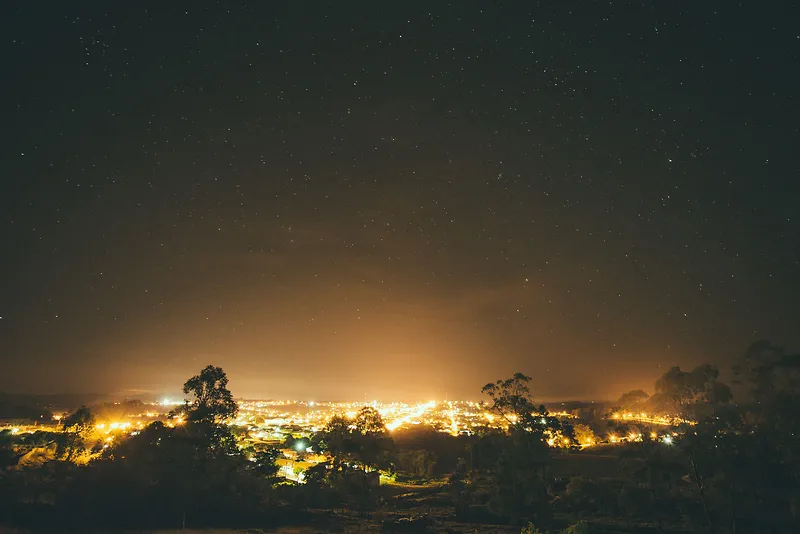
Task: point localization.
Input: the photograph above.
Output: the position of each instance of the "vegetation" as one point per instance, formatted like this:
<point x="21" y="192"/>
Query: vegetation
<point x="505" y="473"/>
<point x="213" y="402"/>
<point x="730" y="464"/>
<point x="76" y="429"/>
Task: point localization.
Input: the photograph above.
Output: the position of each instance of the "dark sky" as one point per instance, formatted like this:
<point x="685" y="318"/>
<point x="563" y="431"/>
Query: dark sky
<point x="394" y="199"/>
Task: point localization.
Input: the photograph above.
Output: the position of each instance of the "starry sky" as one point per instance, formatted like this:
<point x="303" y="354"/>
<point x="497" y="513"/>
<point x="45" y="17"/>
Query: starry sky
<point x="394" y="200"/>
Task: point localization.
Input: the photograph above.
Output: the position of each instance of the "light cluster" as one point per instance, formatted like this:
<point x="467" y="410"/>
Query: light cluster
<point x="652" y="419"/>
<point x="270" y="420"/>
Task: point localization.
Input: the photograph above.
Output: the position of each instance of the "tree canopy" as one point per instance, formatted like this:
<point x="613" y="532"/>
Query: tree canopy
<point x="212" y="401"/>
<point x="632" y="399"/>
<point x="691" y="394"/>
<point x="511" y="399"/>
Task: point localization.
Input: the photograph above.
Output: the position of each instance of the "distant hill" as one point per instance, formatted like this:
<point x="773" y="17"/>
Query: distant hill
<point x="22" y="406"/>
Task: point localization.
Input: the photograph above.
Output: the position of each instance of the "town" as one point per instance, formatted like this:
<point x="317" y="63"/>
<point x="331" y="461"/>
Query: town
<point x="288" y="425"/>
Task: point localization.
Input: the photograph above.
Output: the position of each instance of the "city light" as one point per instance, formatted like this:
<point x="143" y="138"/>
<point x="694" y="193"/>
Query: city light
<point x="412" y="417"/>
<point x="272" y="422"/>
<point x="652" y="419"/>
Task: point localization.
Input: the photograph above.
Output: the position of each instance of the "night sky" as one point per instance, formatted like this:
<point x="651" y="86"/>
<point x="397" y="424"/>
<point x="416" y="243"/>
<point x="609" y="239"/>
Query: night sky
<point x="394" y="199"/>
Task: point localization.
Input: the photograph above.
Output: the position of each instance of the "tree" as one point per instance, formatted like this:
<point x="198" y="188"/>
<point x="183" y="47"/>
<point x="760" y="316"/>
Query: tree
<point x="701" y="401"/>
<point x="75" y="431"/>
<point x="632" y="399"/>
<point x="264" y="462"/>
<point x="418" y="464"/>
<point x="373" y="443"/>
<point x="692" y="395"/>
<point x="176" y="474"/>
<point x="761" y="462"/>
<point x="192" y="471"/>
<point x="356" y="447"/>
<point x="368" y="420"/>
<point x="336" y="440"/>
<point x="584" y="435"/>
<point x="213" y="401"/>
<point x="771" y="381"/>
<point x="362" y="440"/>
<point x="198" y="459"/>
<point x="508" y="469"/>
<point x="81" y="421"/>
<point x="511" y="399"/>
<point x="519" y="477"/>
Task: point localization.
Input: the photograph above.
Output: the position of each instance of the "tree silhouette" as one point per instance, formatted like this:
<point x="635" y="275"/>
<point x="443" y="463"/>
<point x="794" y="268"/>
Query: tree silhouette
<point x="632" y="399"/>
<point x="81" y="420"/>
<point x="336" y="439"/>
<point x="76" y="429"/>
<point x="511" y="399"/>
<point x="184" y="472"/>
<point x="506" y="471"/>
<point x="691" y="395"/>
<point x="212" y="400"/>
<point x="761" y="461"/>
<point x="369" y="421"/>
<point x="264" y="462"/>
<point x="362" y="440"/>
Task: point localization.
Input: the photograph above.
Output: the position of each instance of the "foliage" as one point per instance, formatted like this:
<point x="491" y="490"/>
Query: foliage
<point x="771" y="397"/>
<point x="519" y="475"/>
<point x="162" y="476"/>
<point x="507" y="471"/>
<point x="737" y="468"/>
<point x="81" y="420"/>
<point x="753" y="473"/>
<point x="369" y="421"/>
<point x="632" y="399"/>
<point x="264" y="462"/>
<point x="584" y="435"/>
<point x="419" y="464"/>
<point x="337" y="440"/>
<point x="362" y="441"/>
<point x="212" y="400"/>
<point x="693" y="394"/>
<point x="768" y="371"/>
<point x="76" y="429"/>
<point x="346" y="487"/>
<point x="443" y="449"/>
<point x="511" y="399"/>
<point x="733" y="468"/>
